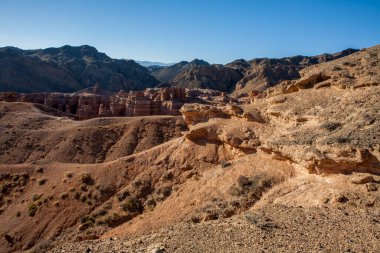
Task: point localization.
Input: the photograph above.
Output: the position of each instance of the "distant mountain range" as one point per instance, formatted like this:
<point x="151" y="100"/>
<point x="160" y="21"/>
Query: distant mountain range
<point x="239" y="76"/>
<point x="69" y="69"/>
<point x="153" y="63"/>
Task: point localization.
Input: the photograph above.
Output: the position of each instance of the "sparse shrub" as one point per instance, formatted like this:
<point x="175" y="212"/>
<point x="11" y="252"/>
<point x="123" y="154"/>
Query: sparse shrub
<point x="100" y="222"/>
<point x="228" y="212"/>
<point x="77" y="195"/>
<point x="142" y="188"/>
<point x="18" y="214"/>
<point x="87" y="218"/>
<point x="116" y="219"/>
<point x="132" y="205"/>
<point x="195" y="219"/>
<point x="222" y="204"/>
<point x="4" y="176"/>
<point x="8" y="238"/>
<point x="83" y="188"/>
<point x="250" y="188"/>
<point x="122" y="195"/>
<point x="24" y="175"/>
<point x="40" y="170"/>
<point x="56" y="203"/>
<point x="64" y="195"/>
<point x="165" y="191"/>
<point x="69" y="174"/>
<point x="210" y="216"/>
<point x="106" y="191"/>
<point x="15" y="178"/>
<point x="167" y="175"/>
<point x="4" y="188"/>
<point x="83" y="198"/>
<point x="41" y="181"/>
<point x="86" y="178"/>
<point x="225" y="164"/>
<point x="85" y="226"/>
<point x="331" y="126"/>
<point x="32" y="209"/>
<point x="108" y="206"/>
<point x="336" y="68"/>
<point x="36" y="197"/>
<point x="150" y="204"/>
<point x="243" y="181"/>
<point x="101" y="212"/>
<point x="72" y="189"/>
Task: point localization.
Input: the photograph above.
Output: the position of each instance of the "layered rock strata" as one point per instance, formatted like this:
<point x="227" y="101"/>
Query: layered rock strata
<point x="92" y="103"/>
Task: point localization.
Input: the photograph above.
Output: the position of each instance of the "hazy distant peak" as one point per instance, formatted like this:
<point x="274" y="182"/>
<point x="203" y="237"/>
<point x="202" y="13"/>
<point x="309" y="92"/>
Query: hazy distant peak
<point x="154" y="63"/>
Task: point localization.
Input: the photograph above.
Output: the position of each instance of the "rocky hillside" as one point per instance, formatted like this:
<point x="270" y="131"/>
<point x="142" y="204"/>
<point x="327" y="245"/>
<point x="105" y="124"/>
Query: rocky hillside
<point x="262" y="73"/>
<point x="216" y="77"/>
<point x="198" y="74"/>
<point x="68" y="69"/>
<point x="301" y="158"/>
<point x="169" y="74"/>
<point x="239" y="76"/>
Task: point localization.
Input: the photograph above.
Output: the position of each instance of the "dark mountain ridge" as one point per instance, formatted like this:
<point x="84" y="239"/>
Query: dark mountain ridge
<point x="68" y="69"/>
<point x="169" y="74"/>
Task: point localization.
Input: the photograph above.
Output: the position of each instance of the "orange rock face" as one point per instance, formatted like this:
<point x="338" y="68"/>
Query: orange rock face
<point x="87" y="105"/>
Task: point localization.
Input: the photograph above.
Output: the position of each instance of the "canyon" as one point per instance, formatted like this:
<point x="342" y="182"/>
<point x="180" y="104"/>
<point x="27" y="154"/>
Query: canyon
<point x="292" y="165"/>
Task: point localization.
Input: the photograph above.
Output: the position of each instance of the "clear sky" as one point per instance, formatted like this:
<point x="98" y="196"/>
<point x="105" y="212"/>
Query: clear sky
<point x="217" y="31"/>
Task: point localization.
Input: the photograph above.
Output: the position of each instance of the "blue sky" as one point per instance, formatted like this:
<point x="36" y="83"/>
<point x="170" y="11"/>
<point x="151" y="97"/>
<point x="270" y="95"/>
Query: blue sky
<point x="218" y="31"/>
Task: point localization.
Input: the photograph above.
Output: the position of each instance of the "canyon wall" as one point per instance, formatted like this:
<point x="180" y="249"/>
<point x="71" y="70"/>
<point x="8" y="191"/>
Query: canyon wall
<point x="95" y="103"/>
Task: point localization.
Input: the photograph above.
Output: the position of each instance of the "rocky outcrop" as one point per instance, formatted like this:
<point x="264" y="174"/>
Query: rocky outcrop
<point x="352" y="72"/>
<point x="242" y="139"/>
<point x="327" y="120"/>
<point x="197" y="113"/>
<point x="262" y="73"/>
<point x="323" y="122"/>
<point x="68" y="69"/>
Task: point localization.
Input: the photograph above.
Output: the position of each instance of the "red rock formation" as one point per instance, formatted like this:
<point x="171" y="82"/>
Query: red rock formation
<point x="8" y="96"/>
<point x="90" y="104"/>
